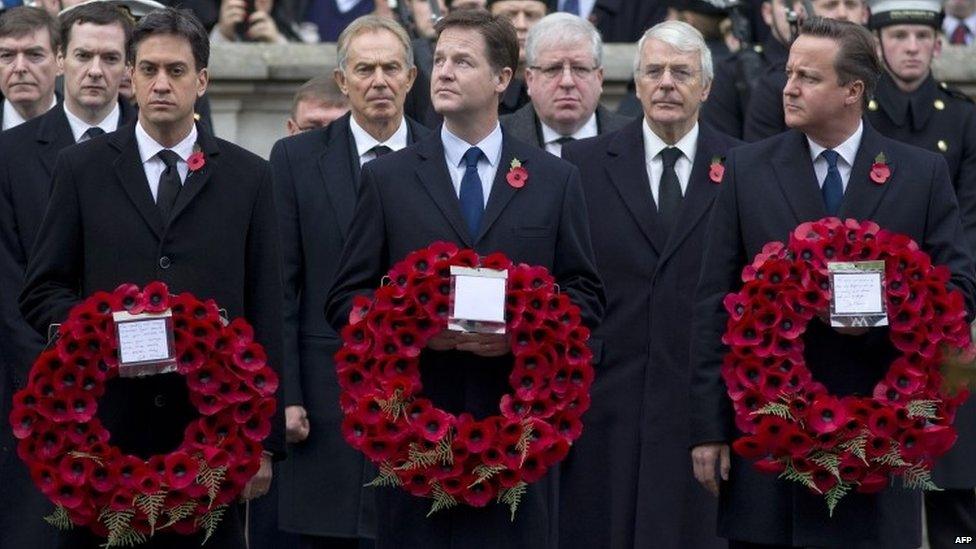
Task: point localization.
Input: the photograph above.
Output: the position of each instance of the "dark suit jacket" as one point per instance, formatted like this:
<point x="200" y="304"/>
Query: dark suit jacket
<point x="771" y="188"/>
<point x="524" y="124"/>
<point x="102" y="228"/>
<point x="626" y="20"/>
<point x="764" y="114"/>
<point x="316" y="179"/>
<point x="637" y="425"/>
<point x="27" y="155"/>
<point x="407" y="201"/>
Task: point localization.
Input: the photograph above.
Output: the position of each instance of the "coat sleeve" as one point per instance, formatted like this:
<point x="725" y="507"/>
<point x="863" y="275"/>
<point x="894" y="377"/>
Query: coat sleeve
<point x="292" y="272"/>
<point x="945" y="239"/>
<point x="364" y="255"/>
<point x="965" y="180"/>
<point x="724" y="255"/>
<point x="575" y="265"/>
<point x="54" y="267"/>
<point x="262" y="294"/>
<point x="19" y="343"/>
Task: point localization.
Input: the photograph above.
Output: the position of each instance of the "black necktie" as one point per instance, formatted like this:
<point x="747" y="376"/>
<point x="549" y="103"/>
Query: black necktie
<point x="669" y="189"/>
<point x="471" y="195"/>
<point x="565" y="139"/>
<point x="169" y="183"/>
<point x="90" y="133"/>
<point x="380" y="150"/>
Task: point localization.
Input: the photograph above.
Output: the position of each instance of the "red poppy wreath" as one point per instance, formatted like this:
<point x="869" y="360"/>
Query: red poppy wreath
<point x="124" y="497"/>
<point x="793" y="426"/>
<point x="458" y="459"/>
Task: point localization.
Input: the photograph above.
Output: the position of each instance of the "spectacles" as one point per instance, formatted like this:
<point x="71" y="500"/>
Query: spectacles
<point x="679" y="74"/>
<point x="554" y="71"/>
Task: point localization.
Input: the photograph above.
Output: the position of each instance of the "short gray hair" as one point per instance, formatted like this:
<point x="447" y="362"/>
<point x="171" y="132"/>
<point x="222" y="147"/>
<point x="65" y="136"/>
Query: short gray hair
<point x="562" y="29"/>
<point x="373" y="23"/>
<point x="682" y="37"/>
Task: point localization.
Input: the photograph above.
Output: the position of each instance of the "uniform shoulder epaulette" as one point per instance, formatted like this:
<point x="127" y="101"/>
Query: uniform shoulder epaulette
<point x="955" y="92"/>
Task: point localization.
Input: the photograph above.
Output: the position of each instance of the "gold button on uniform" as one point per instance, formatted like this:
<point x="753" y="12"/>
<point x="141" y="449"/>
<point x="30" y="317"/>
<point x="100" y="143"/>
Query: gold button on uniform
<point x="943" y="146"/>
<point x="872" y="105"/>
<point x="939" y="105"/>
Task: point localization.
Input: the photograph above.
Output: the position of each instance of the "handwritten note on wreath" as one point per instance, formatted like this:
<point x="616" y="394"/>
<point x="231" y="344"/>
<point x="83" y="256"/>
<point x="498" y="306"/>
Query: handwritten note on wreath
<point x="143" y="341"/>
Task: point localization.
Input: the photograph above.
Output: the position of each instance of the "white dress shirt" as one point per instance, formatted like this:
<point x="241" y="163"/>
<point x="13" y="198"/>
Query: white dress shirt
<point x="454" y="149"/>
<point x="12" y="118"/>
<point x="845" y="163"/>
<point x="365" y="142"/>
<point x="653" y="145"/>
<point x="950" y="23"/>
<point x="78" y="126"/>
<point x="153" y="165"/>
<point x="549" y="135"/>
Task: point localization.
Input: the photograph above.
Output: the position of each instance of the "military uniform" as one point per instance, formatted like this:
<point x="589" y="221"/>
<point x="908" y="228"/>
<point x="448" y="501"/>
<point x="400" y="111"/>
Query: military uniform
<point x="941" y="119"/>
<point x="726" y="106"/>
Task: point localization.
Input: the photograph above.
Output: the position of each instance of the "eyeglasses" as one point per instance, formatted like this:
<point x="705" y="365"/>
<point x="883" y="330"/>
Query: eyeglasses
<point x="680" y="75"/>
<point x="555" y="71"/>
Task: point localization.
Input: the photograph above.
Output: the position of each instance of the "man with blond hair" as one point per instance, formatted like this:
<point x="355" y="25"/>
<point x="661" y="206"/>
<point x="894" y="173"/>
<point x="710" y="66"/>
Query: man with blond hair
<point x="316" y="181"/>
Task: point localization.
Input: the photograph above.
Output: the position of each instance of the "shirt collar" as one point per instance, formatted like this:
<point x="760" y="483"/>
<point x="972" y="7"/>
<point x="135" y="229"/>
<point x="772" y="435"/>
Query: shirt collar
<point x="149" y="147"/>
<point x="455" y="147"/>
<point x="365" y="142"/>
<point x="847" y="150"/>
<point x="653" y="145"/>
<point x="13" y="118"/>
<point x="589" y="129"/>
<point x="78" y="126"/>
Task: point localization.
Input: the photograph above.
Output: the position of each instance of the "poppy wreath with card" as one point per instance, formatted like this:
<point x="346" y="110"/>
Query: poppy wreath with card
<point x="792" y="425"/>
<point x="458" y="459"/>
<point x="123" y="497"/>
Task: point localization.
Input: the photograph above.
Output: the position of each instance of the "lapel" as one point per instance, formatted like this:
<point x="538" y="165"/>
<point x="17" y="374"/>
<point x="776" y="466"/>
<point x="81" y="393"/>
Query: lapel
<point x="132" y="177"/>
<point x="195" y="181"/>
<point x="339" y="170"/>
<point x="862" y="197"/>
<point x="436" y="180"/>
<point x="501" y="192"/>
<point x="628" y="173"/>
<point x="53" y="135"/>
<point x="796" y="178"/>
<point x="700" y="194"/>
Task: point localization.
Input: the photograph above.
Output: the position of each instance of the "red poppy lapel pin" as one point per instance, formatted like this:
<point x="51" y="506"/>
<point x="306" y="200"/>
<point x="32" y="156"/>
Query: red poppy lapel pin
<point x="880" y="172"/>
<point x="717" y="169"/>
<point x="197" y="160"/>
<point x="517" y="175"/>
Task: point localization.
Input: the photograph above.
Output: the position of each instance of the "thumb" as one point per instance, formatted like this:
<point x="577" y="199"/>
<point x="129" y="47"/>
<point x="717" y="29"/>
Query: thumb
<point x="724" y="461"/>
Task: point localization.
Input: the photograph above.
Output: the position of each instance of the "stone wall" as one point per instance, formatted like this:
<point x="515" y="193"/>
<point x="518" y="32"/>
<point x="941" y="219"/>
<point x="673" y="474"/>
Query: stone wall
<point x="251" y="85"/>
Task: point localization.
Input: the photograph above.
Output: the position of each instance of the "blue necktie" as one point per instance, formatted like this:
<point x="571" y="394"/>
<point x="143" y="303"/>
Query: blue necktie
<point x="471" y="196"/>
<point x="571" y="6"/>
<point x="833" y="187"/>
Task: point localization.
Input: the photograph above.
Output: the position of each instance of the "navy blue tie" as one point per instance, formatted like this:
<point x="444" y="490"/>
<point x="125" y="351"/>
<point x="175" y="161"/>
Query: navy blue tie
<point x="571" y="6"/>
<point x="833" y="187"/>
<point x="472" y="196"/>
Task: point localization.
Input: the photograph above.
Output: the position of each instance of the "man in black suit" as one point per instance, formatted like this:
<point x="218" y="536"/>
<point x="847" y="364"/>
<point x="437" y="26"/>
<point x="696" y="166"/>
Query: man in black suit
<point x="411" y="198"/>
<point x="819" y="168"/>
<point x="125" y="207"/>
<point x="648" y="193"/>
<point x="764" y="114"/>
<point x="316" y="179"/>
<point x="29" y="41"/>
<point x="564" y="75"/>
<point x="94" y="39"/>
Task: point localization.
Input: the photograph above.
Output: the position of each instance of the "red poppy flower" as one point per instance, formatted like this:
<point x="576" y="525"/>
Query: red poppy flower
<point x="517" y="176"/>
<point x="750" y="447"/>
<point x="826" y="415"/>
<point x="155" y="297"/>
<point x="250" y="357"/>
<point x="880" y="172"/>
<point x="23" y="420"/>
<point x="770" y="466"/>
<point x="196" y="161"/>
<point x="479" y="495"/>
<point x="824" y="480"/>
<point x="434" y="424"/>
<point x="67" y="495"/>
<point x="181" y="470"/>
<point x="105" y="476"/>
<point x="938" y="439"/>
<point x="716" y="171"/>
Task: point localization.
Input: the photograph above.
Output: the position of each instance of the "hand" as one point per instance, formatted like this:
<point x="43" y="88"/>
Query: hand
<point x="487" y="345"/>
<point x="262" y="28"/>
<point x="444" y="341"/>
<point x="703" y="459"/>
<point x="232" y="12"/>
<point x="296" y="424"/>
<point x="260" y="483"/>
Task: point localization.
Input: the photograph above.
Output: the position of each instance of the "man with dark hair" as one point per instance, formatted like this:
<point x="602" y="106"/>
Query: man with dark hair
<point x="315" y="181"/>
<point x="452" y="187"/>
<point x="29" y="41"/>
<point x="316" y="104"/>
<point x="523" y="14"/>
<point x="93" y="53"/>
<point x="911" y="107"/>
<point x="819" y="168"/>
<point x="127" y="208"/>
<point x="764" y="114"/>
